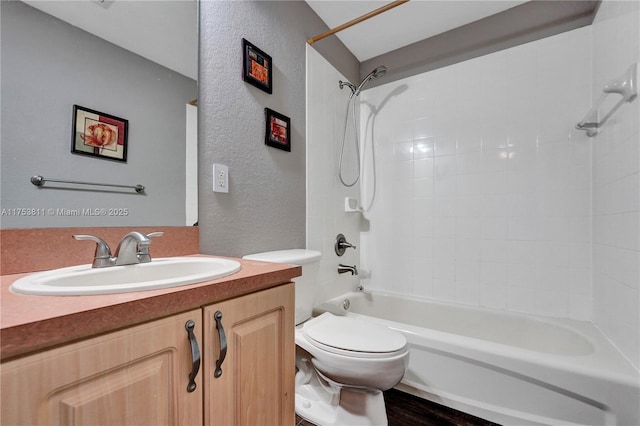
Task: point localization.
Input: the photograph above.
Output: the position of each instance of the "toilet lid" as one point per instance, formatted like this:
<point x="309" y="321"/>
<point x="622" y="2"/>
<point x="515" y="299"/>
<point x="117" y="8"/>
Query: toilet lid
<point x="354" y="335"/>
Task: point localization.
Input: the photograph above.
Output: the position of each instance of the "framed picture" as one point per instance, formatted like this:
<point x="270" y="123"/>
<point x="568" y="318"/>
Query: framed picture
<point x="278" y="130"/>
<point x="256" y="67"/>
<point x="98" y="134"/>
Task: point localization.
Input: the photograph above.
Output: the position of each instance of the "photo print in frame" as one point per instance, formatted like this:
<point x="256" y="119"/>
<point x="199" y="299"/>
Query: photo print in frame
<point x="99" y="135"/>
<point x="278" y="130"/>
<point x="257" y="67"/>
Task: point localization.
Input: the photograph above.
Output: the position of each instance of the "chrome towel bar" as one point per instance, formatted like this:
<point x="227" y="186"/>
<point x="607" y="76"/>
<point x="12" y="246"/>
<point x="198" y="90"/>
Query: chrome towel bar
<point x="626" y="85"/>
<point x="39" y="181"/>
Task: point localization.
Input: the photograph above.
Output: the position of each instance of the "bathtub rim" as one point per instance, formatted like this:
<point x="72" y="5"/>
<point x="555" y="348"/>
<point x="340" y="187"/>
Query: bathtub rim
<point x="606" y="362"/>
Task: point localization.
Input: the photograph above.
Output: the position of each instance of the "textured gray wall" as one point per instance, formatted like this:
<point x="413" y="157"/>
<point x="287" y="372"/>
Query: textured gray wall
<point x="49" y="65"/>
<point x="265" y="208"/>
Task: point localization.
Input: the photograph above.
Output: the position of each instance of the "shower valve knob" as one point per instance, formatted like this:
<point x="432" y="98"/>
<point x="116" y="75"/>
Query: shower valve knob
<point x="342" y="245"/>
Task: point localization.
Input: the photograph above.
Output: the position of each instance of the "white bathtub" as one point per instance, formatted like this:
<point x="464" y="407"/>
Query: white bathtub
<point x="508" y="368"/>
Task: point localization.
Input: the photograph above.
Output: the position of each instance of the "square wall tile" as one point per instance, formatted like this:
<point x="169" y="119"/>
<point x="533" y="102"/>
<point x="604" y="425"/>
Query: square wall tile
<point x="496" y="187"/>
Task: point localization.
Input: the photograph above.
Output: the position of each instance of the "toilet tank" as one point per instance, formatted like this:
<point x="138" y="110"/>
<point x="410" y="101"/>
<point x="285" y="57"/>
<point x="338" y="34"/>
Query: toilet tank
<point x="305" y="285"/>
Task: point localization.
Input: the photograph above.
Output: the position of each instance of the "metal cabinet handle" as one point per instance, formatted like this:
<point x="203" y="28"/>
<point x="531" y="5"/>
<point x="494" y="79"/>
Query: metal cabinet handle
<point x="195" y="355"/>
<point x="223" y="344"/>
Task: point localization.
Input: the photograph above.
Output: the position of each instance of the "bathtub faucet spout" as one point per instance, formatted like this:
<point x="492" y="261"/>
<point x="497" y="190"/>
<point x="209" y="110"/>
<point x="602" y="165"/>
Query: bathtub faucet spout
<point x="346" y="268"/>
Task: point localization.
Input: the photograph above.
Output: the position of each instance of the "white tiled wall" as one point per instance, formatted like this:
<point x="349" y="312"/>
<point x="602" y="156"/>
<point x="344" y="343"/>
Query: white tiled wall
<point x="616" y="184"/>
<point x="326" y="105"/>
<point x="485" y="194"/>
<point x="483" y="186"/>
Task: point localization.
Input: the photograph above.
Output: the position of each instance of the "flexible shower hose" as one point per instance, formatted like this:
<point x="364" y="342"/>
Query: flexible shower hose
<point x="357" y="142"/>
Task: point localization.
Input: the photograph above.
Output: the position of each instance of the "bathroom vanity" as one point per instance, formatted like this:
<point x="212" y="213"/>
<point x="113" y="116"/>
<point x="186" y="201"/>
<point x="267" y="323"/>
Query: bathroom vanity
<point x="151" y="358"/>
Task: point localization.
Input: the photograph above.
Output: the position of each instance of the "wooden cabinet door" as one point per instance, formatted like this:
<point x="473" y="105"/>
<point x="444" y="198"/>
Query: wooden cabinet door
<point x="136" y="376"/>
<point x="256" y="384"/>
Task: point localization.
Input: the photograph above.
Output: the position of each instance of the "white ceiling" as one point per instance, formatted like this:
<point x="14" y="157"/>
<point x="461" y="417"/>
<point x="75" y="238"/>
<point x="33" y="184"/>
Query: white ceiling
<point x="405" y="24"/>
<point x="165" y="32"/>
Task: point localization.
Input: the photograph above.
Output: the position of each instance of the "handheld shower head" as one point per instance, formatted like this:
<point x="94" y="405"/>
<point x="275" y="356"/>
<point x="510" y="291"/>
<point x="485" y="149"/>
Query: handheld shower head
<point x="377" y="73"/>
<point x="355" y="91"/>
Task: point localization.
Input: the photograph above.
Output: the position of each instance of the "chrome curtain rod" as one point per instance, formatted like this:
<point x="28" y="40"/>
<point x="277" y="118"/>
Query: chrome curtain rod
<point x="356" y="20"/>
<point x="39" y="181"/>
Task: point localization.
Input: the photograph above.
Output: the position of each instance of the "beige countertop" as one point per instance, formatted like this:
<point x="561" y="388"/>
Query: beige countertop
<point x="32" y="323"/>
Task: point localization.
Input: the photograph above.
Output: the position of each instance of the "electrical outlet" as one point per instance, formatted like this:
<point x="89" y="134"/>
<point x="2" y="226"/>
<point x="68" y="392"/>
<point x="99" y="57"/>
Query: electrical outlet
<point x="220" y="178"/>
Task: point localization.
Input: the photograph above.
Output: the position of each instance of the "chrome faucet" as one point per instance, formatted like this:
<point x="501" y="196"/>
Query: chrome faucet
<point x="346" y="268"/>
<point x="133" y="249"/>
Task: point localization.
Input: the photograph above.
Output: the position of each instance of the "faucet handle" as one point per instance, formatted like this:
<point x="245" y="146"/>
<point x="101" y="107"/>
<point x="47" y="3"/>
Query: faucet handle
<point x="102" y="256"/>
<point x="342" y="245"/>
<point x="143" y="248"/>
<point x="102" y="249"/>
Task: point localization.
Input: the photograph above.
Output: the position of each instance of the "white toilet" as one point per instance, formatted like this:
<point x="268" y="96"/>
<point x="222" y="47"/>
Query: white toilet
<point x="343" y="364"/>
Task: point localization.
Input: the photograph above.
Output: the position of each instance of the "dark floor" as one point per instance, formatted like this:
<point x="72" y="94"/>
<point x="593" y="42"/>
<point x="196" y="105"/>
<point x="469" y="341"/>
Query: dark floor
<point x="404" y="409"/>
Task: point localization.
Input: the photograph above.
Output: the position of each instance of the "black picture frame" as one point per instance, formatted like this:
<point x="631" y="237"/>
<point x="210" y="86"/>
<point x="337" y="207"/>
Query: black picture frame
<point x="257" y="67"/>
<point x="277" y="130"/>
<point x="99" y="135"/>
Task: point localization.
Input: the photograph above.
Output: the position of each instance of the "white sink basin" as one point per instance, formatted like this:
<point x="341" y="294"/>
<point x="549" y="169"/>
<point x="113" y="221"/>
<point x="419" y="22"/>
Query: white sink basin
<point x="159" y="273"/>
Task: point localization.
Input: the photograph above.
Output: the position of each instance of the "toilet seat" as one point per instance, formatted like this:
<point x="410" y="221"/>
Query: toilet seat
<point x="353" y="337"/>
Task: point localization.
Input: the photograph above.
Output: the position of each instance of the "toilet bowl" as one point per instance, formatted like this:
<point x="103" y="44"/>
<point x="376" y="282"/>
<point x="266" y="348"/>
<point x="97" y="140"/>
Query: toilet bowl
<point x="343" y="364"/>
<point x="349" y="350"/>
